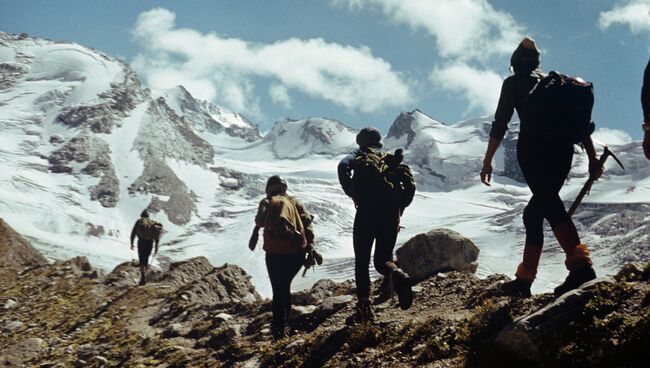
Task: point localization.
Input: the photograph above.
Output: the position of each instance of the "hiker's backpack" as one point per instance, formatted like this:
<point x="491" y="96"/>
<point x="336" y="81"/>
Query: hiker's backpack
<point x="284" y="232"/>
<point x="380" y="179"/>
<point x="149" y="229"/>
<point x="558" y="109"/>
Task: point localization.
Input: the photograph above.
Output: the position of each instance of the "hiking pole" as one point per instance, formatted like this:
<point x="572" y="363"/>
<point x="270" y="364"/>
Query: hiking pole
<point x="587" y="187"/>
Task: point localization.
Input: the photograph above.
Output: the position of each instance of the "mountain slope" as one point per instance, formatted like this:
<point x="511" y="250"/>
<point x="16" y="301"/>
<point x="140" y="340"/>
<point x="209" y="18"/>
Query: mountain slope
<point x="84" y="148"/>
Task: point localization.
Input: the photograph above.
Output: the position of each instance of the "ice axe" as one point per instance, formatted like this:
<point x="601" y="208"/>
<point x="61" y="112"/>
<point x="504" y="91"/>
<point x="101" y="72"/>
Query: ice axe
<point x="587" y="187"/>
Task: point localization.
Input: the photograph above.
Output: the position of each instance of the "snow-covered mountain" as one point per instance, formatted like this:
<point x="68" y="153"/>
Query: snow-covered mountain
<point x="84" y="148"/>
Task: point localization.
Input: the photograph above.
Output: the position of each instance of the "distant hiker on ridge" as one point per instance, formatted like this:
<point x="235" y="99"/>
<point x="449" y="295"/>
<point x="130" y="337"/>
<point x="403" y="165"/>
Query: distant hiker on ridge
<point x="288" y="235"/>
<point x="544" y="152"/>
<point x="645" y="104"/>
<point x="381" y="188"/>
<point x="148" y="232"/>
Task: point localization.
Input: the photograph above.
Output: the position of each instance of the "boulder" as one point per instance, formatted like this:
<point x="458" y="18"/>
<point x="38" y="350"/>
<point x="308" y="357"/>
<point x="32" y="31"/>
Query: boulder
<point x="439" y="250"/>
<point x="320" y="291"/>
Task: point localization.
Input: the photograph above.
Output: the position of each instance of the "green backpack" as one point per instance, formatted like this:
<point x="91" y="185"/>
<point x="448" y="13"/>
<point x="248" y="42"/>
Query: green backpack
<point x="381" y="179"/>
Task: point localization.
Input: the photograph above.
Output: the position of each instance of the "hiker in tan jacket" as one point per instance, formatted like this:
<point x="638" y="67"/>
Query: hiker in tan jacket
<point x="288" y="237"/>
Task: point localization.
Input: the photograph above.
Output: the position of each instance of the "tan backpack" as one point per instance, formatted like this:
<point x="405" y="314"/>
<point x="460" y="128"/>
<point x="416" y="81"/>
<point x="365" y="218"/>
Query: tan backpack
<point x="283" y="229"/>
<point x="149" y="229"/>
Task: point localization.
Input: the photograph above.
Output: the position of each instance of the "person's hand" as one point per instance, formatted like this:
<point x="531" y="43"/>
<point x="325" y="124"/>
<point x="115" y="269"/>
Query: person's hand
<point x="486" y="173"/>
<point x="132" y="248"/>
<point x="155" y="250"/>
<point x="595" y="169"/>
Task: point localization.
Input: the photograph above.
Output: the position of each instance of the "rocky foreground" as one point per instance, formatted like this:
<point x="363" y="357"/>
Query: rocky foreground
<point x="68" y="314"/>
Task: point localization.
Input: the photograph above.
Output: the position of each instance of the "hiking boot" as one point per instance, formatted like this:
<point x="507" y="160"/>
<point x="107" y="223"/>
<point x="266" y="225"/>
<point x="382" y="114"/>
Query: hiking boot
<point x="362" y="314"/>
<point x="575" y="279"/>
<point x="384" y="292"/>
<point x="517" y="288"/>
<point x="402" y="285"/>
<point x="280" y="332"/>
<point x="142" y="281"/>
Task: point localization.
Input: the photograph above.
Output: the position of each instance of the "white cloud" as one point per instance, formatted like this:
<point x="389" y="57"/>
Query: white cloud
<point x="464" y="29"/>
<point x="480" y="87"/>
<point x="223" y="69"/>
<point x="280" y="95"/>
<point x="633" y="13"/>
<point x="611" y="136"/>
<point x="467" y="32"/>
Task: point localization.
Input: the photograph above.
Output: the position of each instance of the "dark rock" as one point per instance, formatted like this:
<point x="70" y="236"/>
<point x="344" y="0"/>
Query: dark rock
<point x="522" y="340"/>
<point x="320" y="291"/>
<point x="15" y="251"/>
<point x="402" y="126"/>
<point x="439" y="250"/>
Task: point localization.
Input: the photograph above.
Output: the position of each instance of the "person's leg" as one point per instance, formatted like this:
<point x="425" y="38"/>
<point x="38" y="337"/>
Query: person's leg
<point x="387" y="228"/>
<point x="577" y="260"/>
<point x="274" y="266"/>
<point x="293" y="265"/>
<point x="533" y="218"/>
<point x="362" y="239"/>
<point x="144" y="250"/>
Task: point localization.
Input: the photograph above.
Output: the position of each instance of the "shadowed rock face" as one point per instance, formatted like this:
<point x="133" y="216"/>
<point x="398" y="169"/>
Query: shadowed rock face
<point x="203" y="115"/>
<point x="158" y="178"/>
<point x="15" y="251"/>
<point x="115" y="104"/>
<point x="95" y="151"/>
<point x="402" y="126"/>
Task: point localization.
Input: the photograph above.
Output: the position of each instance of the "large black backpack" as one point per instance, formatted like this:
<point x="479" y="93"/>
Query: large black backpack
<point x="381" y="179"/>
<point x="558" y="109"/>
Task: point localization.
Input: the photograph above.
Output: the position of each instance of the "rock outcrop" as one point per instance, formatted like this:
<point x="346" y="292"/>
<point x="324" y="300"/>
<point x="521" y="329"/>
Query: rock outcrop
<point x="439" y="250"/>
<point x="68" y="314"/>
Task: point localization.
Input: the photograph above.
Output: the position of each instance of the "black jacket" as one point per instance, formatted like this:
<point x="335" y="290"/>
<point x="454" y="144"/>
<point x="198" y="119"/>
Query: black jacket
<point x="515" y="88"/>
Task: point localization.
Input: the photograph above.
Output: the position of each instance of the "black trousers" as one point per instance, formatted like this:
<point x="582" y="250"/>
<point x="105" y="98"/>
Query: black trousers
<point x="144" y="251"/>
<point x="282" y="269"/>
<point x="373" y="225"/>
<point x="545" y="167"/>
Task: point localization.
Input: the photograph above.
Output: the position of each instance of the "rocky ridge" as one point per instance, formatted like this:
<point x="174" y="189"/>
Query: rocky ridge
<point x="68" y="314"/>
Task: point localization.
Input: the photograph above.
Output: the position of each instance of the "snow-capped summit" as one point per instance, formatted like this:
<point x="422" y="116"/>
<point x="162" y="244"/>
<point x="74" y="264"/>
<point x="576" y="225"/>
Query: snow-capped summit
<point x="204" y="116"/>
<point x="299" y="138"/>
<point x="84" y="148"/>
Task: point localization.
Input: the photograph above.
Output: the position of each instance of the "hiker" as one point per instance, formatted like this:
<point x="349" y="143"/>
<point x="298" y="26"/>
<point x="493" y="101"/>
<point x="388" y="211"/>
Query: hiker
<point x="148" y="232"/>
<point x="288" y="236"/>
<point x="545" y="165"/>
<point x="377" y="218"/>
<point x="645" y="104"/>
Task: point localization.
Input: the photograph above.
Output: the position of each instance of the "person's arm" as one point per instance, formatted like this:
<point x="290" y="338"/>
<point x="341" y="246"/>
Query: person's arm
<point x="133" y="233"/>
<point x="502" y="116"/>
<point x="307" y="220"/>
<point x="595" y="168"/>
<point x="486" y="171"/>
<point x="645" y="104"/>
<point x="157" y="242"/>
<point x="261" y="213"/>
<point x="345" y="174"/>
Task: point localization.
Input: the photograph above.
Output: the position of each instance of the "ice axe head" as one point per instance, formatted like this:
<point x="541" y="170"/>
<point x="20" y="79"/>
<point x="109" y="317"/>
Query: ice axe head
<point x="607" y="153"/>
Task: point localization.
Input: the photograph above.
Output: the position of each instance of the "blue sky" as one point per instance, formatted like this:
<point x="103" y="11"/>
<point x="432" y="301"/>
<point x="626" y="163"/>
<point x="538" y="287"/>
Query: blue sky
<point x="358" y="61"/>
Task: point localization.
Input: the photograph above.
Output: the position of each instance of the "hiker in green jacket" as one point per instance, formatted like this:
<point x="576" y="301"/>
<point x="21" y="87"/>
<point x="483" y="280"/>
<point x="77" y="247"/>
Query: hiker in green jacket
<point x="545" y="166"/>
<point x="377" y="219"/>
<point x="288" y="237"/>
<point x="148" y="232"/>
